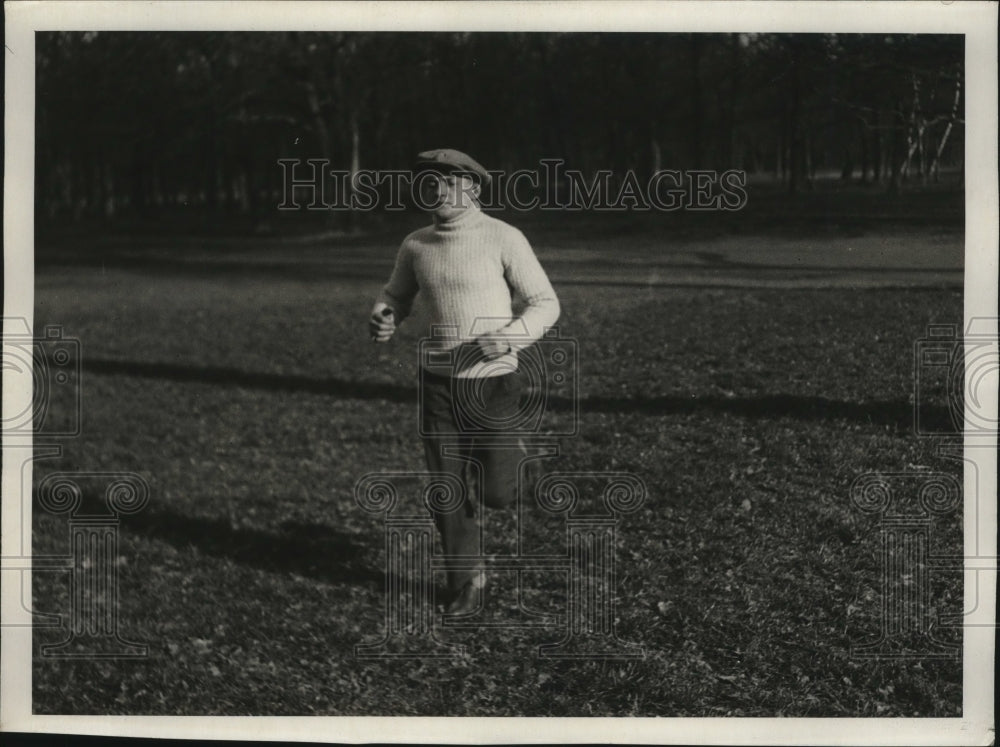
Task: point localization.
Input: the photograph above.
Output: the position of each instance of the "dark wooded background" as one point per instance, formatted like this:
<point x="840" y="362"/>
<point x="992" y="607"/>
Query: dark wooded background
<point x="147" y="126"/>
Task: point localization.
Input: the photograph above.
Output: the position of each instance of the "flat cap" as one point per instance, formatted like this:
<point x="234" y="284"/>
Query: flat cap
<point x="451" y="161"/>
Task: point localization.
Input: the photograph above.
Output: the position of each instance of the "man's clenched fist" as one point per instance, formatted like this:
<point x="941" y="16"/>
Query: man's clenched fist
<point x="382" y="324"/>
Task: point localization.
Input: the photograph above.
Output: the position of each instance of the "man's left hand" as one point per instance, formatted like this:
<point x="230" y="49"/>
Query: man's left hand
<point x="493" y="345"/>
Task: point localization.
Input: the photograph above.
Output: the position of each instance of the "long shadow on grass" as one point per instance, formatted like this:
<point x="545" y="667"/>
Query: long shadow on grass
<point x="896" y="413"/>
<point x="311" y="550"/>
<point x="234" y="377"/>
<point x="712" y="264"/>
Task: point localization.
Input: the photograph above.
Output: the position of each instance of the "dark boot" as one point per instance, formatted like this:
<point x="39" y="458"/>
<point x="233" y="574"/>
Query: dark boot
<point x="470" y="598"/>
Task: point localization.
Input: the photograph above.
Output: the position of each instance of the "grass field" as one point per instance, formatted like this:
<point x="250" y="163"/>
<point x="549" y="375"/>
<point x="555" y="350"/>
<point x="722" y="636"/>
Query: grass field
<point x="236" y="378"/>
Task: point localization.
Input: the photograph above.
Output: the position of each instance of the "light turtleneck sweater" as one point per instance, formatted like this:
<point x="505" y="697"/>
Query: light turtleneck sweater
<point x="472" y="273"/>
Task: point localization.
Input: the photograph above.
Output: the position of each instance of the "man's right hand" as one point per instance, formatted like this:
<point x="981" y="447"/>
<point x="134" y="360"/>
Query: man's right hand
<point x="382" y="324"/>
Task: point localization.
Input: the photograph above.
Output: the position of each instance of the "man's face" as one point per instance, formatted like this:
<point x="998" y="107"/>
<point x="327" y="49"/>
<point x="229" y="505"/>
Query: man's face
<point x="447" y="195"/>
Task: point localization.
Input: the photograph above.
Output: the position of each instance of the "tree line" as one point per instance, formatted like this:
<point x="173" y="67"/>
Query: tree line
<point x="137" y="123"/>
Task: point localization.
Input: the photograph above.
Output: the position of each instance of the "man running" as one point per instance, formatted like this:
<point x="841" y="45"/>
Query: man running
<point x="472" y="271"/>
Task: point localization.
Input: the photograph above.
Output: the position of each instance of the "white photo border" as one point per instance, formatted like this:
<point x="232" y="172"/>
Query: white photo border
<point x="977" y="21"/>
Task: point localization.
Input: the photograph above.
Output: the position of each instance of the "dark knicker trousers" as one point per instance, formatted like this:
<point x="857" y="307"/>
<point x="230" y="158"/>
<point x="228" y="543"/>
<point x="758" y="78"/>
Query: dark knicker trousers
<point x="466" y="423"/>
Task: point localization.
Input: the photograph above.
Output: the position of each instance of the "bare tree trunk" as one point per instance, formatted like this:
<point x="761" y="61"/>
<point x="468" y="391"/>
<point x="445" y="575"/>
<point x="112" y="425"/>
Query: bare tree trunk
<point x="847" y="170"/>
<point x="795" y="165"/>
<point x="810" y="162"/>
<point x="878" y="155"/>
<point x="921" y="158"/>
<point x="733" y="158"/>
<point x="864" y="153"/>
<point x="934" y="168"/>
<point x="779" y="168"/>
<point x="322" y="133"/>
<point x="914" y="128"/>
<point x="76" y="193"/>
<point x="796" y="149"/>
<point x="108" y="178"/>
<point x="87" y="190"/>
<point x="697" y="108"/>
<point x="912" y="143"/>
<point x="97" y="189"/>
<point x="896" y="160"/>
<point x="355" y="167"/>
<point x="252" y="188"/>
